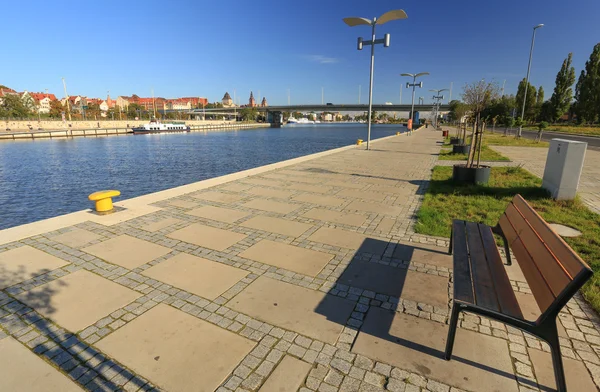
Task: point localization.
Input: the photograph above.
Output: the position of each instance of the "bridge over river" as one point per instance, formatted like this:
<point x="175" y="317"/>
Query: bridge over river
<point x="273" y="113"/>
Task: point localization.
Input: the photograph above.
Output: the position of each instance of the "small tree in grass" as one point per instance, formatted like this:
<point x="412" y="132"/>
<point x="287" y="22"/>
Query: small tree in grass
<point x="478" y="96"/>
<point x="541" y="126"/>
<point x="519" y="122"/>
<point x="509" y="122"/>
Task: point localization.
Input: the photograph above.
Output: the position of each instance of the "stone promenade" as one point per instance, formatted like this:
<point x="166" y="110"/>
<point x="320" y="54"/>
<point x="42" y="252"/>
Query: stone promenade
<point x="301" y="277"/>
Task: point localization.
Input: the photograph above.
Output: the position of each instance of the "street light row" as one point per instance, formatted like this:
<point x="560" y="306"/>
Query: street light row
<point x="387" y="17"/>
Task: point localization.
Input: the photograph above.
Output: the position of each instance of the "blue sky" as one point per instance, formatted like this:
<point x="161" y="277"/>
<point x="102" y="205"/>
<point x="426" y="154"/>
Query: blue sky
<point x="201" y="48"/>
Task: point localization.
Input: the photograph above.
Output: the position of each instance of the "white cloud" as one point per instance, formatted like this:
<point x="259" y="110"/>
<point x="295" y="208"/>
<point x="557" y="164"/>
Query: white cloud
<point x="317" y="58"/>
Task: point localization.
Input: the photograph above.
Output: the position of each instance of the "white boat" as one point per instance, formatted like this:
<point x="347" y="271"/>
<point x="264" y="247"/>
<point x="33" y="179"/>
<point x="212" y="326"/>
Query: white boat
<point x="155" y="126"/>
<point x="303" y="120"/>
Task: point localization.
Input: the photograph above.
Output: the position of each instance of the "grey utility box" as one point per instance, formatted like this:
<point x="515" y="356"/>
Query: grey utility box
<point x="563" y="168"/>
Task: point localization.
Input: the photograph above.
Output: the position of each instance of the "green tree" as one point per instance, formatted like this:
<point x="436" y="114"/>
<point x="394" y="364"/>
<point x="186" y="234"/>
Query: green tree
<point x="249" y="114"/>
<point x="563" y="92"/>
<point x="478" y="96"/>
<point x="509" y="122"/>
<point x="530" y="102"/>
<point x="93" y="111"/>
<point x="540" y="96"/>
<point x="11" y="105"/>
<point x="547" y="112"/>
<point x="56" y="109"/>
<point x="587" y="91"/>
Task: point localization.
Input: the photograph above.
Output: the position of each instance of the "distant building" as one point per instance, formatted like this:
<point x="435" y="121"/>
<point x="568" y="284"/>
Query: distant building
<point x="251" y="101"/>
<point x="264" y="103"/>
<point x="227" y="101"/>
<point x="42" y="101"/>
<point x="185" y="103"/>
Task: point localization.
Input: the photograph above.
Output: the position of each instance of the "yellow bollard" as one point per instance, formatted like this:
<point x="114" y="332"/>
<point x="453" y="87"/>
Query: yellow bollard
<point x="359" y="142"/>
<point x="397" y="133"/>
<point x="103" y="199"/>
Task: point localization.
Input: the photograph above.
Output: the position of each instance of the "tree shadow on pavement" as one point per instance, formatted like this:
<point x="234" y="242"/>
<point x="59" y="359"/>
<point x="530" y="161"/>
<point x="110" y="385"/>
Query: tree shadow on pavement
<point x="64" y="349"/>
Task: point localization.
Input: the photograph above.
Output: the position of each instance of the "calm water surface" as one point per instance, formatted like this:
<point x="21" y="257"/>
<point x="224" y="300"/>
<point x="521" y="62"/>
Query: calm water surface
<point x="44" y="178"/>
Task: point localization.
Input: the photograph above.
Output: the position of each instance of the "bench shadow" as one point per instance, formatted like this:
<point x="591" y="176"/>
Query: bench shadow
<point x="397" y="282"/>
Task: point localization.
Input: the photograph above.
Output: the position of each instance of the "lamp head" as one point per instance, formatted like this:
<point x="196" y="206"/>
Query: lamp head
<point x="356" y="21"/>
<point x="538" y="26"/>
<point x="391" y="15"/>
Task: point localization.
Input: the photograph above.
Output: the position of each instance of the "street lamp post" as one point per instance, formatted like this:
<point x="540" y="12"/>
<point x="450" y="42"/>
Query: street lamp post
<point x="527" y="78"/>
<point x="413" y="85"/>
<point x="438" y="98"/>
<point x="356" y="21"/>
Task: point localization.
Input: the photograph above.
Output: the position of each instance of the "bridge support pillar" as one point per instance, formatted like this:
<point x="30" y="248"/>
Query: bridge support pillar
<point x="275" y="118"/>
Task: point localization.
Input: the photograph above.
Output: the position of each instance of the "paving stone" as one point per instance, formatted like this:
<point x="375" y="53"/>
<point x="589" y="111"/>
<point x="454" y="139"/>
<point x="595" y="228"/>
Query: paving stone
<point x="277" y="225"/>
<point x="334" y="378"/>
<point x="22" y="370"/>
<point x="311" y="313"/>
<point x="207" y="237"/>
<point x="378" y="208"/>
<point x="335" y="217"/>
<point x="161" y="224"/>
<point x="169" y="346"/>
<point x="293" y="258"/>
<point x="576" y="374"/>
<point x="348" y="239"/>
<point x="324" y="200"/>
<point x="76" y="237"/>
<point x="220" y="214"/>
<point x="415" y="344"/>
<point x="375" y="379"/>
<point x="202" y="277"/>
<point x="32" y="262"/>
<point x="127" y="251"/>
<point x="350" y="385"/>
<point x="397" y="282"/>
<point x="271" y="206"/>
<point x="216" y="196"/>
<point x="396" y="385"/>
<point x="422" y="253"/>
<point x="252" y="382"/>
<point x="78" y="299"/>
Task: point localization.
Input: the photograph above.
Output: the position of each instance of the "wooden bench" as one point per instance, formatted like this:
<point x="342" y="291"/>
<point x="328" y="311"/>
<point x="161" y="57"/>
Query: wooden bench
<point x="552" y="269"/>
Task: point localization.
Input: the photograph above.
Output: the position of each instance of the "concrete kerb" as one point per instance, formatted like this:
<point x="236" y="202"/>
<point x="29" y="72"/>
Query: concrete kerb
<point x="138" y="206"/>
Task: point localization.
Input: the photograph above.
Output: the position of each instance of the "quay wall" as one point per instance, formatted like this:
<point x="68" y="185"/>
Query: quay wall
<point x="205" y="126"/>
<point x="52" y="125"/>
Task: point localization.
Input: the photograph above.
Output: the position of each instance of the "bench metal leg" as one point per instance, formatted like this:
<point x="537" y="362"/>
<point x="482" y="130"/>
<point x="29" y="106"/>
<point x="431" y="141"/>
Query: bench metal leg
<point x="559" y="372"/>
<point x="451" y="240"/>
<point x="452" y="331"/>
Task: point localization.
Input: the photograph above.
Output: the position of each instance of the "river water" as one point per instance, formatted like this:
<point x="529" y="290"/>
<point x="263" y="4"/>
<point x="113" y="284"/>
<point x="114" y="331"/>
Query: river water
<point x="44" y="178"/>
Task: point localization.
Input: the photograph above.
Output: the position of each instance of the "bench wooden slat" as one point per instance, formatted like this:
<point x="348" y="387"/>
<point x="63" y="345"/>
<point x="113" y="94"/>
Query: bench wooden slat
<point x="485" y="293"/>
<point x="541" y="292"/>
<point x="550" y="268"/>
<point x="568" y="258"/>
<point x="504" y="291"/>
<point x="463" y="284"/>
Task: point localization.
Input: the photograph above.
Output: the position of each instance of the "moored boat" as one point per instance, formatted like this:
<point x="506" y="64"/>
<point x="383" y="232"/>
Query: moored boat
<point x="155" y="126"/>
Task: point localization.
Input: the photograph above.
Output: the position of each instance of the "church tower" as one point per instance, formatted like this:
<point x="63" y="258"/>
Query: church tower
<point x="264" y="103"/>
<point x="251" y="101"/>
